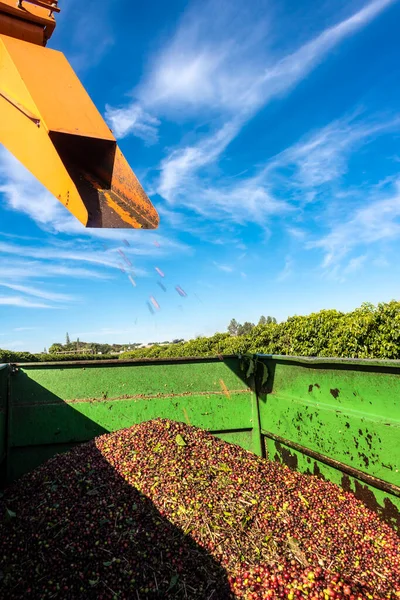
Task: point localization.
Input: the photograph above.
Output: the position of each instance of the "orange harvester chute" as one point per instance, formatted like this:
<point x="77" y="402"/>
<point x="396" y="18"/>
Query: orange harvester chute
<point x="50" y="124"/>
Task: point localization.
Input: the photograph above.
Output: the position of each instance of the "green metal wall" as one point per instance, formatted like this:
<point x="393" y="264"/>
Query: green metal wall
<point x="3" y="419"/>
<point x="55" y="406"/>
<point x="337" y="419"/>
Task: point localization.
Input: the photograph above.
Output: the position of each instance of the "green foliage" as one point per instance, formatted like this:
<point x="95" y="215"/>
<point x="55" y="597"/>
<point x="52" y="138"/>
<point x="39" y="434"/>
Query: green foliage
<point x="7" y="356"/>
<point x="367" y="332"/>
<point x="245" y="328"/>
<point x="72" y="357"/>
<point x="233" y="327"/>
<point x="236" y="328"/>
<point x="90" y="348"/>
<point x="55" y="348"/>
<point x="264" y="320"/>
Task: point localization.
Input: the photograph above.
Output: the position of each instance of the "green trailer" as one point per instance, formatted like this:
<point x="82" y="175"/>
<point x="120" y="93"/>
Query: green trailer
<point x="337" y="419"/>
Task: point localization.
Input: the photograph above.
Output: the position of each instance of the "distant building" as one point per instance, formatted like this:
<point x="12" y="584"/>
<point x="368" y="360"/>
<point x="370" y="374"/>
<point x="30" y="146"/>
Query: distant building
<point x="83" y="351"/>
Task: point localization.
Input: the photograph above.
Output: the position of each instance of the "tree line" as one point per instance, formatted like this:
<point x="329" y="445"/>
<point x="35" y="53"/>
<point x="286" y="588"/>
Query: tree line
<point x="235" y="328"/>
<point x="79" y="346"/>
<point x="366" y="332"/>
<point x="97" y="348"/>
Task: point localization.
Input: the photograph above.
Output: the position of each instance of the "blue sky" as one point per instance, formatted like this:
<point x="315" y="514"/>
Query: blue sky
<point x="266" y="133"/>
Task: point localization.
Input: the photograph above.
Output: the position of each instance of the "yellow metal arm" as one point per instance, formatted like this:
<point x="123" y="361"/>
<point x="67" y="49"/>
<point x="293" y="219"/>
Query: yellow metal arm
<point x="29" y="20"/>
<point x="48" y="121"/>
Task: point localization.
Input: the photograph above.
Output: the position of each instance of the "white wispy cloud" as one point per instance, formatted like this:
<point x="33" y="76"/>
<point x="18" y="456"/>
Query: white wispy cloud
<point x="221" y="66"/>
<point x="178" y="169"/>
<point x="38" y="252"/>
<point x="219" y="60"/>
<point x="134" y="120"/>
<point x="355" y="264"/>
<point x="179" y="181"/>
<point x="381" y="262"/>
<point x="16" y="236"/>
<point x="108" y="260"/>
<point x="225" y="268"/>
<point x="247" y="201"/>
<point x="287" y="269"/>
<point x="23" y="302"/>
<point x="54" y="259"/>
<point x="205" y="67"/>
<point x="38" y="292"/>
<point x="377" y="219"/>
<point x="198" y="226"/>
<point x="300" y="174"/>
<point x="313" y="163"/>
<point x="23" y="193"/>
<point x="296" y="232"/>
<point x="322" y="157"/>
<point x="17" y="270"/>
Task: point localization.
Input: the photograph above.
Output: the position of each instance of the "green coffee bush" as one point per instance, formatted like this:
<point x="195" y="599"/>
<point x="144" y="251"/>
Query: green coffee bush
<point x="367" y="332"/>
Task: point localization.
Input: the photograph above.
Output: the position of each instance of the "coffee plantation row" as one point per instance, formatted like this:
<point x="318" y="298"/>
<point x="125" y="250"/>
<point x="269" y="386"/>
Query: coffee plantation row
<point x="367" y="332"/>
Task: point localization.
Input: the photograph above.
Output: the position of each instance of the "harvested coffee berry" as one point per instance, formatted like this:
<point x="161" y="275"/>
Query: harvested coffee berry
<point x="166" y="510"/>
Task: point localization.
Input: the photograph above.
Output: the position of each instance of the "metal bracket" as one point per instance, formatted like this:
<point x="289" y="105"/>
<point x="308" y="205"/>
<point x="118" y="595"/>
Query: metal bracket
<point x="21" y="108"/>
<point x="13" y="369"/>
<point x="52" y="6"/>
